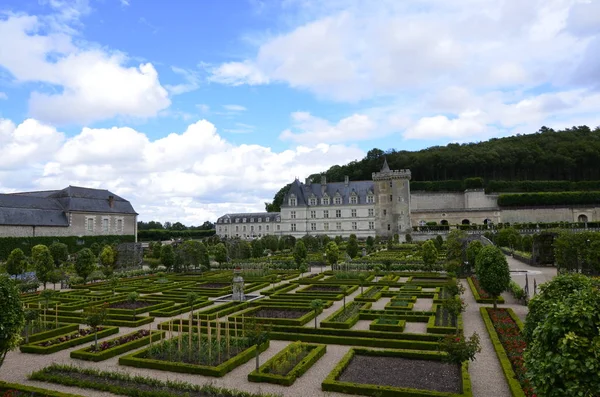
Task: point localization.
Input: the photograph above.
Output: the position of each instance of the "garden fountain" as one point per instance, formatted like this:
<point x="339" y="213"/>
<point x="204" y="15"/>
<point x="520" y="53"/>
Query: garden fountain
<point x="237" y="287"/>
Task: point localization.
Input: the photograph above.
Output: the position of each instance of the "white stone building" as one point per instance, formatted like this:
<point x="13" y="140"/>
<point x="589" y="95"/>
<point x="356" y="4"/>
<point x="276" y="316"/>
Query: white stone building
<point x="385" y="206"/>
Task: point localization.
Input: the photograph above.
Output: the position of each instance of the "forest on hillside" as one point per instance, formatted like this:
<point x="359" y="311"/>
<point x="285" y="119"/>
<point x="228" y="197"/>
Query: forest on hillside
<point x="572" y="154"/>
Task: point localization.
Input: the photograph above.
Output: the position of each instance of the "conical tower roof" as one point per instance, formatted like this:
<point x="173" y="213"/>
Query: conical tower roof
<point x="385" y="167"/>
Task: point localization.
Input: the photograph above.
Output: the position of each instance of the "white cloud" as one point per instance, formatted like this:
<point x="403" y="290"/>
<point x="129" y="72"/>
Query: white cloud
<point x="190" y="176"/>
<point x="235" y="108"/>
<point x="83" y="84"/>
<point x="192" y="82"/>
<point x="238" y="73"/>
<point x="202" y="107"/>
<point x="309" y="129"/>
<point x="125" y="3"/>
<point x="3" y="95"/>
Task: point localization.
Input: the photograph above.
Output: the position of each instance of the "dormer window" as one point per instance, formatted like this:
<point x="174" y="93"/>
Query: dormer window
<point x="353" y="199"/>
<point x="267" y="219"/>
<point x="325" y="200"/>
<point x="337" y="200"/>
<point x="244" y="220"/>
<point x="293" y="202"/>
<point x="237" y="220"/>
<point x="312" y="201"/>
<point x="251" y="220"/>
<point x="259" y="219"/>
<point x="370" y="199"/>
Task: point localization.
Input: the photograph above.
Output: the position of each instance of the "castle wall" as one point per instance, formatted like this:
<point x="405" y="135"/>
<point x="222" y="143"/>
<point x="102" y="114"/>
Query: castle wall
<point x="434" y="201"/>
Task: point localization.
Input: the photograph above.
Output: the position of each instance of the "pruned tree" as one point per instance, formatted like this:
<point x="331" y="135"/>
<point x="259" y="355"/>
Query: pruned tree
<point x="11" y="317"/>
<point x="493" y="271"/>
<point x="42" y="262"/>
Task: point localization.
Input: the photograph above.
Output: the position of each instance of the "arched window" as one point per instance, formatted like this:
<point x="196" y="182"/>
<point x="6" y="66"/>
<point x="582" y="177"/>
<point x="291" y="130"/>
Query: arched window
<point x="444" y="222"/>
<point x="582" y="218"/>
<point x="466" y="222"/>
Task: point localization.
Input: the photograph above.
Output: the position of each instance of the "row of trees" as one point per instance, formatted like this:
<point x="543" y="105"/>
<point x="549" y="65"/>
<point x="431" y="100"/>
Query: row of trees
<point x="51" y="263"/>
<point x="177" y="226"/>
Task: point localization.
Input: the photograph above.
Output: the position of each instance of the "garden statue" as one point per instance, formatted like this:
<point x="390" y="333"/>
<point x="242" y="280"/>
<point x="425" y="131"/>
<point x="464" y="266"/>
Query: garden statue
<point x="238" y="286"/>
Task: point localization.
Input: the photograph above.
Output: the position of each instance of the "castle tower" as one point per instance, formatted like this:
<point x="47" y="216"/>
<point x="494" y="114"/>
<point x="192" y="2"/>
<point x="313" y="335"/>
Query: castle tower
<point x="392" y="208"/>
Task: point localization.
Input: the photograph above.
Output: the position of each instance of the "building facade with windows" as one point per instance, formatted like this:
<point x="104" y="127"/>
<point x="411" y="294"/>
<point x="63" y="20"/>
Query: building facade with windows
<point x="384" y="206"/>
<point x="365" y="208"/>
<point x="73" y="211"/>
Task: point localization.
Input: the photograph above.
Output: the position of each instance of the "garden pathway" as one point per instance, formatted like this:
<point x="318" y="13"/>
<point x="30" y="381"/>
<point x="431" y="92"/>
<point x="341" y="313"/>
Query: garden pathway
<point x="539" y="274"/>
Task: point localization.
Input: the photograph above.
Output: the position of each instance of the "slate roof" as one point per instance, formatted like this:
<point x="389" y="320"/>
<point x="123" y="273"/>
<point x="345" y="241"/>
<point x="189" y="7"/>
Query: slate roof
<point x="273" y="216"/>
<point x="304" y="192"/>
<point x="50" y="208"/>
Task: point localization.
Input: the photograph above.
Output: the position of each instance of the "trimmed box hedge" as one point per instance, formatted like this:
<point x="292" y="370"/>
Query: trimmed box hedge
<point x="178" y="309"/>
<point x="348" y="323"/>
<point x="317" y="351"/>
<point x="331" y="383"/>
<point x="132" y="312"/>
<point x="398" y="327"/>
<point x="36" y="349"/>
<point x="369" y="295"/>
<point x="6" y="387"/>
<point x="509" y="374"/>
<point x="62" y="329"/>
<point x="135" y="360"/>
<point x="86" y="354"/>
<point x="478" y="297"/>
<point x="248" y="314"/>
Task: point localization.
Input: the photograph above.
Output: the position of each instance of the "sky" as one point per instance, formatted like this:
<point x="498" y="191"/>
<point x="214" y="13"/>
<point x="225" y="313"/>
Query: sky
<point x="193" y="109"/>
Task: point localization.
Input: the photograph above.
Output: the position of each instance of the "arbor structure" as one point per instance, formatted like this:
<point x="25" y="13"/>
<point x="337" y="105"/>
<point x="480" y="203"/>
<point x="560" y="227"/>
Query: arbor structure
<point x="493" y="272"/>
<point x="42" y="262"/>
<point x="11" y="317"/>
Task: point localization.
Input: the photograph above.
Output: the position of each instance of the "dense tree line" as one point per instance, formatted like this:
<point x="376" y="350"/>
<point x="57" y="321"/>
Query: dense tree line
<point x="177" y="226"/>
<point x="570" y="154"/>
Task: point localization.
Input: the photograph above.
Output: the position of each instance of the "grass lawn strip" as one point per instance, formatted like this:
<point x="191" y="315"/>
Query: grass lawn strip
<point x="128" y="385"/>
<point x="291" y="363"/>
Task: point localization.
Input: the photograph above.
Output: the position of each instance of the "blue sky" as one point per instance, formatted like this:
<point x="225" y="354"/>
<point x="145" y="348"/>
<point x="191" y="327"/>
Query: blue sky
<point x="195" y="108"/>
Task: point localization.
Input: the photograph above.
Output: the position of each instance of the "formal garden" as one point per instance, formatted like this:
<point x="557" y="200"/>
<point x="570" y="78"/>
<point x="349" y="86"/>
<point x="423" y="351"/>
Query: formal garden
<point x="375" y="318"/>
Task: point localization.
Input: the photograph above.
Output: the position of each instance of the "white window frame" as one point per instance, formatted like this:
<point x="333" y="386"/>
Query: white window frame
<point x="371" y="212"/>
<point x="353" y="200"/>
<point x="292" y="214"/>
<point x="105" y="221"/>
<point x="370" y="199"/>
<point x="353" y="213"/>
<point x="326" y="200"/>
<point x="120" y="225"/>
<point x="371" y="225"/>
<point x="338" y="225"/>
<point x="89" y="224"/>
<point x="326" y="226"/>
<point x="312" y="201"/>
<point x="293" y="227"/>
<point x="278" y="227"/>
<point x="337" y="201"/>
<point x="313" y="214"/>
<point x="338" y="213"/>
<point x="267" y="228"/>
<point x="326" y="214"/>
<point x="313" y="226"/>
<point x="354" y="225"/>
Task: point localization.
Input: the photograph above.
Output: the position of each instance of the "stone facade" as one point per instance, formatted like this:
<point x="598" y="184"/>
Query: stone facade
<point x="72" y="211"/>
<point x="385" y="206"/>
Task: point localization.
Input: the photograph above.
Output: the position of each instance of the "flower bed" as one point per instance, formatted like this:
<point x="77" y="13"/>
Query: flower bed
<point x="123" y="384"/>
<point x="289" y="364"/>
<point x="505" y="329"/>
<point x="390" y="373"/>
<point x="61" y="329"/>
<point x="55" y="344"/>
<point x="480" y="295"/>
<point x="116" y="346"/>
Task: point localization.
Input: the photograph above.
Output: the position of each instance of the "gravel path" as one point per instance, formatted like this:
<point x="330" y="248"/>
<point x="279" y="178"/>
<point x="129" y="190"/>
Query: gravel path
<point x="539" y="274"/>
<point x="487" y="378"/>
<point x="423" y="304"/>
<point x="415" y="328"/>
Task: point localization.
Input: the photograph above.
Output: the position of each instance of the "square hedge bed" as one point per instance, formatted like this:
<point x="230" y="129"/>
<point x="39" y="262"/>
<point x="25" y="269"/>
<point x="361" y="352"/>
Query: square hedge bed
<point x="398" y="373"/>
<point x="61" y="329"/>
<point x="138" y="360"/>
<point x="399" y="305"/>
<point x="387" y="325"/>
<point x="308" y="356"/>
<point x="280" y="315"/>
<point x="39" y="348"/>
<point x="119" y="345"/>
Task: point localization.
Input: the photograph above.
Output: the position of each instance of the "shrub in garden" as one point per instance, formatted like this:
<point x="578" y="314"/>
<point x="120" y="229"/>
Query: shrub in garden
<point x="563" y="358"/>
<point x="16" y="262"/>
<point x="459" y="348"/>
<point x="493" y="272"/>
<point x="257" y="334"/>
<point x="42" y="262"/>
<point x="429" y="254"/>
<point x="220" y="253"/>
<point x="332" y="252"/>
<point x="59" y="252"/>
<point x="85" y="263"/>
<point x="473" y="249"/>
<point x="108" y="258"/>
<point x="167" y="256"/>
<point x="300" y="252"/>
<point x="11" y="317"/>
<point x="352" y="246"/>
<point x="95" y="317"/>
<point x="317" y="306"/>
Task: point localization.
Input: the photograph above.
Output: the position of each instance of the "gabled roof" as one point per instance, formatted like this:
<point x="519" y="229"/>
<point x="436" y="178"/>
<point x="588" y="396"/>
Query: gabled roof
<point x="303" y="192"/>
<point x="50" y="208"/>
<point x="256" y="215"/>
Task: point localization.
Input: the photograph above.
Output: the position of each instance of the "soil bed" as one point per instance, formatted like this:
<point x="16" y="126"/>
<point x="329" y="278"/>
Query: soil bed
<point x="130" y="305"/>
<point x="278" y="313"/>
<point x="403" y="372"/>
<point x="215" y="285"/>
<point x="328" y="288"/>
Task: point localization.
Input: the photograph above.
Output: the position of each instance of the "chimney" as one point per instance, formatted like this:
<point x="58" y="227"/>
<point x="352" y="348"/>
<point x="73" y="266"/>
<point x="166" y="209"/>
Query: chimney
<point x="346" y="180"/>
<point x="111" y="201"/>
